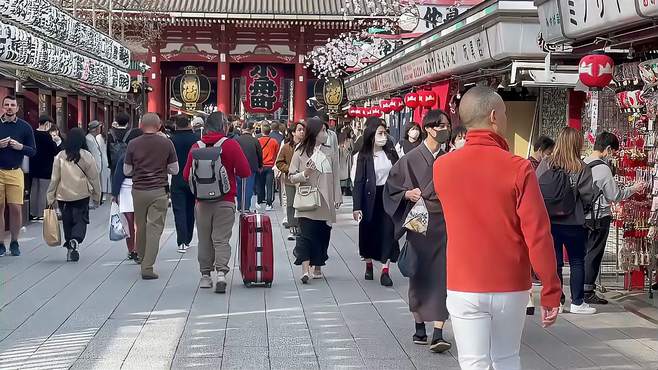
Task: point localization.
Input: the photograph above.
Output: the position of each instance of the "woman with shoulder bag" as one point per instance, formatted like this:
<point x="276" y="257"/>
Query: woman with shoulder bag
<point x="376" y="229"/>
<point x="567" y="213"/>
<point x="75" y="180"/>
<point x="295" y="136"/>
<point x="314" y="169"/>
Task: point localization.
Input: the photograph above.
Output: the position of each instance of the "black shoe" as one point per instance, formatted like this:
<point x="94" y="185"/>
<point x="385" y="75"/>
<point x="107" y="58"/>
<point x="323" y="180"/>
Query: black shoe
<point x="654" y="286"/>
<point x="385" y="280"/>
<point x="305" y="278"/>
<point x="592" y="298"/>
<point x="132" y="256"/>
<point x="14" y="249"/>
<point x="440" y="346"/>
<point x="3" y="250"/>
<point x="420" y="339"/>
<point x="530" y="311"/>
<point x="75" y="255"/>
<point x="369" y="274"/>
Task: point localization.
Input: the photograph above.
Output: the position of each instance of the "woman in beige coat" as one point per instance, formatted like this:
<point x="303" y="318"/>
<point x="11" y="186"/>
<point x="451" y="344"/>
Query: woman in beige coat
<point x="74" y="182"/>
<point x="316" y="164"/>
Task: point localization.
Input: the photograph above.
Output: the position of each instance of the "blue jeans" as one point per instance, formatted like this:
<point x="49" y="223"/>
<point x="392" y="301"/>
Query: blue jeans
<point x="249" y="191"/>
<point x="573" y="238"/>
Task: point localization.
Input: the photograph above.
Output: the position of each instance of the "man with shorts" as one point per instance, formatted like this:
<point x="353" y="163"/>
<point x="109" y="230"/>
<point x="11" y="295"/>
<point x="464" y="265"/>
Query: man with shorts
<point x="16" y="141"/>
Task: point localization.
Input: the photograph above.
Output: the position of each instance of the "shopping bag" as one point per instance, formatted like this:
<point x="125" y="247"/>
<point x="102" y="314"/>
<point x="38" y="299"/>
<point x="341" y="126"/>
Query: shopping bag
<point x="118" y="231"/>
<point x="51" y="231"/>
<point x="408" y="261"/>
<point x="418" y="218"/>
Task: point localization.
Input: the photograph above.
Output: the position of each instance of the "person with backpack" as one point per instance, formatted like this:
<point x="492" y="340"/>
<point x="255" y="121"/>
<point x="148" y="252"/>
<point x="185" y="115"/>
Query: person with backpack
<point x="212" y="166"/>
<point x="568" y="190"/>
<point x="116" y="140"/>
<point x="600" y="217"/>
<point x="182" y="199"/>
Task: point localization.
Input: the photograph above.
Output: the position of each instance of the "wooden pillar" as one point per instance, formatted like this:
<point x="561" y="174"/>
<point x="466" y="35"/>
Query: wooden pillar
<point x="301" y="76"/>
<point x="223" y="75"/>
<point x="155" y="104"/>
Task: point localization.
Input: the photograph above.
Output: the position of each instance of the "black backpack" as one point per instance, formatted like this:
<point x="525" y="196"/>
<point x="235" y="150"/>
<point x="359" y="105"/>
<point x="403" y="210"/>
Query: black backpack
<point x="559" y="195"/>
<point x="594" y="209"/>
<point x="117" y="147"/>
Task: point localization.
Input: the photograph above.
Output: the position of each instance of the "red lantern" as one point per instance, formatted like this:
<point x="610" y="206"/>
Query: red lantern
<point x="397" y="104"/>
<point x="361" y="112"/>
<point x="427" y="98"/>
<point x="595" y="70"/>
<point x="386" y="106"/>
<point x="352" y="111"/>
<point x="375" y="111"/>
<point x="412" y="100"/>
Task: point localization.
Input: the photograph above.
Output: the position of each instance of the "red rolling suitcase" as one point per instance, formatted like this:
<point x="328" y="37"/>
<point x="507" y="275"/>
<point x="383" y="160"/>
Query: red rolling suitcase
<point x="256" y="247"/>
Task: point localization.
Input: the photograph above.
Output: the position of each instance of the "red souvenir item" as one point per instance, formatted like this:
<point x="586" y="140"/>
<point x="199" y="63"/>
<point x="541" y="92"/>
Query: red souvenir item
<point x="397" y="104"/>
<point x="353" y="111"/>
<point x="412" y="100"/>
<point x="427" y="98"/>
<point x="595" y="70"/>
<point x="375" y="111"/>
<point x="386" y="106"/>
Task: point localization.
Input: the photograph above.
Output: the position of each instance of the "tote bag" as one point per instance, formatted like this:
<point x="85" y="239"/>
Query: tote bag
<point x="51" y="230"/>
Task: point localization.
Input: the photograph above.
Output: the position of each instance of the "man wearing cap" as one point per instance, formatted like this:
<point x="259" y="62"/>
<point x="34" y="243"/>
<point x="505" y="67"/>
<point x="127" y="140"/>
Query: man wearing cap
<point x="16" y="141"/>
<point x="99" y="152"/>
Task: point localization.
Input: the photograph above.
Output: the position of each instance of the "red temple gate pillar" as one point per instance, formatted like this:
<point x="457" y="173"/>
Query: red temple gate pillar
<point x="301" y="76"/>
<point x="155" y="80"/>
<point x="224" y="84"/>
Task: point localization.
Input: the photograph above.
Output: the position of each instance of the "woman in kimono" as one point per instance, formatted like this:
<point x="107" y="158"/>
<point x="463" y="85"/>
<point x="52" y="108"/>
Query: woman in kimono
<point x="409" y="181"/>
<point x="412" y="138"/>
<point x="376" y="230"/>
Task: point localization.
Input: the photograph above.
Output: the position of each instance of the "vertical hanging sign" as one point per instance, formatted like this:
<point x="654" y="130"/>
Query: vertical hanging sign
<point x="264" y="88"/>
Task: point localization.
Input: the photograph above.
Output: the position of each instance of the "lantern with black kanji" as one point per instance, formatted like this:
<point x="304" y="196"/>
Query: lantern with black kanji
<point x="427" y="98"/>
<point x="397" y="104"/>
<point x="595" y="71"/>
<point x="411" y="100"/>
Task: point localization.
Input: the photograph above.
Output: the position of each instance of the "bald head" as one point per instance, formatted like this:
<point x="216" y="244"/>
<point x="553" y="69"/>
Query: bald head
<point x="482" y="107"/>
<point x="150" y="123"/>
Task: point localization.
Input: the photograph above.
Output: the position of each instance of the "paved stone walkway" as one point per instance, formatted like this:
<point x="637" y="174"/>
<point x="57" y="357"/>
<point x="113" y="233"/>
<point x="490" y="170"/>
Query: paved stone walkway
<point x="99" y="314"/>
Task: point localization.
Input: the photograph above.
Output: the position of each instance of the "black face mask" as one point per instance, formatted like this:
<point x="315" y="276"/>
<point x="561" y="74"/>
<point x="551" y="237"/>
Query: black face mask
<point x="442" y="136"/>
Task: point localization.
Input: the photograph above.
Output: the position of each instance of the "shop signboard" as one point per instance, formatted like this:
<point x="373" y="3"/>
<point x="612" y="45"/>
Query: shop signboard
<point x="462" y="54"/>
<point x="426" y="17"/>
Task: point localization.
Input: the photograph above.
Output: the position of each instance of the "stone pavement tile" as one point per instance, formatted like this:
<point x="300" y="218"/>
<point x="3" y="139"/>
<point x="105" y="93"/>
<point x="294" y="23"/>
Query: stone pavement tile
<point x="245" y="358"/>
<point x="297" y="362"/>
<point x="532" y="361"/>
<point x="206" y="344"/>
<point x="250" y="337"/>
<point x="152" y="363"/>
<point x="282" y="341"/>
<point x="303" y="350"/>
<point x="390" y="364"/>
<point x="108" y="347"/>
<point x="345" y="362"/>
<point x="380" y="349"/>
<point x="97" y="364"/>
<point x="198" y="363"/>
<point x="553" y="350"/>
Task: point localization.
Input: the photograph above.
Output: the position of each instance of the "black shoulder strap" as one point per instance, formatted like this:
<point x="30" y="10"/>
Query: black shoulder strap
<point x="596" y="162"/>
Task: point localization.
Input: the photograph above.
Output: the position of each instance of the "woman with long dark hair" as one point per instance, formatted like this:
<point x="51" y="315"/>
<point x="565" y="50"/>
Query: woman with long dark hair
<point x="568" y="225"/>
<point x="413" y="136"/>
<point x="315" y="165"/>
<point x="295" y="136"/>
<point x="75" y="180"/>
<point x="376" y="229"/>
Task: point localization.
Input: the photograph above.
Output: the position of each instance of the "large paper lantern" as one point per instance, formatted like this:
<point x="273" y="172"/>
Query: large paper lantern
<point x="386" y="106"/>
<point x="427" y="98"/>
<point x="361" y="112"/>
<point x="352" y="111"/>
<point x="411" y="100"/>
<point x="375" y="111"/>
<point x="595" y="70"/>
<point x="397" y="104"/>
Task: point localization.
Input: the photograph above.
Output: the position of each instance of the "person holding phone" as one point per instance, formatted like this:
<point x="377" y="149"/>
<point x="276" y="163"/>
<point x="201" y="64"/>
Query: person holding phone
<point x="376" y="229"/>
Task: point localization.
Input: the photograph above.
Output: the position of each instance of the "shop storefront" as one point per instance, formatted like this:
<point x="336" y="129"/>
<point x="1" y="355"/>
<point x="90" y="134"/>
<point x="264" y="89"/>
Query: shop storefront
<point x="490" y="44"/>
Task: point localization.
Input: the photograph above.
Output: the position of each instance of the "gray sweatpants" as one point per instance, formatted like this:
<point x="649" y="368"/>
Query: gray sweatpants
<point x="214" y="223"/>
<point x="150" y="216"/>
<point x="38" y="192"/>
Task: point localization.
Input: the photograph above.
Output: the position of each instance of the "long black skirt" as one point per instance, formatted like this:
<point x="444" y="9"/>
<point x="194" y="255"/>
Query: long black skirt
<point x="376" y="236"/>
<point x="313" y="242"/>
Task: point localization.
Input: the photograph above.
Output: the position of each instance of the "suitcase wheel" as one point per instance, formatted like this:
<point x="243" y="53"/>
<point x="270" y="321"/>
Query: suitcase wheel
<point x="248" y="284"/>
<point x="268" y="285"/>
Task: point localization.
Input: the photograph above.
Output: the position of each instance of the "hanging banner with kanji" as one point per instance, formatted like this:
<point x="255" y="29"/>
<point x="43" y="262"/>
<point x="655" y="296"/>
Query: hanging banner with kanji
<point x="264" y="88"/>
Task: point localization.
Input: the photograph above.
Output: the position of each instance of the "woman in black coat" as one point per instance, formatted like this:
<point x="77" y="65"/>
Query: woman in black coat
<point x="376" y="230"/>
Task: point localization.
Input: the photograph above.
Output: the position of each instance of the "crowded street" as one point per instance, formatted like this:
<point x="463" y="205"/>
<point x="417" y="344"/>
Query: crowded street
<point x="99" y="314"/>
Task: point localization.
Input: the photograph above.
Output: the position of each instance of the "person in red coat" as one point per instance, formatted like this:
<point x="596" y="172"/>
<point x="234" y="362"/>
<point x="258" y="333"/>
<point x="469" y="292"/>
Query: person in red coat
<point x="498" y="228"/>
<point x="215" y="219"/>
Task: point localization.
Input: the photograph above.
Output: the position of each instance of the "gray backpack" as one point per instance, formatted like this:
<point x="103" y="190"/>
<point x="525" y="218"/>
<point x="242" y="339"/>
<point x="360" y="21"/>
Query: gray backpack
<point x="208" y="178"/>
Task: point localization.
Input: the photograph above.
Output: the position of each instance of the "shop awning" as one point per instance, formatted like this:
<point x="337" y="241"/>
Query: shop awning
<point x="9" y="72"/>
<point x="534" y="74"/>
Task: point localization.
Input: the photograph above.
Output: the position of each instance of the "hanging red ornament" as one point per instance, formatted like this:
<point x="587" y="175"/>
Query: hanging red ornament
<point x="595" y="70"/>
<point x="352" y="111"/>
<point x="386" y="106"/>
<point x="411" y="100"/>
<point x="363" y="112"/>
<point x="427" y="98"/>
<point x="375" y="111"/>
<point x="397" y="104"/>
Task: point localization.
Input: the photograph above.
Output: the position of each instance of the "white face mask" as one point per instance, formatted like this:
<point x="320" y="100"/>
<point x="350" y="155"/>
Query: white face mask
<point x="413" y="135"/>
<point x="380" y="141"/>
<point x="459" y="143"/>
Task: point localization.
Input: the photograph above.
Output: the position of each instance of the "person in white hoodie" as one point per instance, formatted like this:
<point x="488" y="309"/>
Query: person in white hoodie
<point x="599" y="219"/>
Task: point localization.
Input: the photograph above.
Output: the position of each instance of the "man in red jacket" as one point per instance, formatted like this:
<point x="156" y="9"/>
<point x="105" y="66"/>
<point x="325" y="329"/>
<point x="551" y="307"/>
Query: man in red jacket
<point x="498" y="228"/>
<point x="215" y="219"/>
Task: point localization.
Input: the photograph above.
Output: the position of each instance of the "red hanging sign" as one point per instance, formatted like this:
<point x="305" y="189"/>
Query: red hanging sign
<point x="264" y="88"/>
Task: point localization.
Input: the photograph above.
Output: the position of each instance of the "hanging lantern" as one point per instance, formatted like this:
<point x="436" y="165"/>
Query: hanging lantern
<point x="397" y="104"/>
<point x="386" y="106"/>
<point x="352" y="111"/>
<point x="361" y="112"/>
<point x="427" y="98"/>
<point x="411" y="100"/>
<point x="595" y="71"/>
<point x="375" y="111"/>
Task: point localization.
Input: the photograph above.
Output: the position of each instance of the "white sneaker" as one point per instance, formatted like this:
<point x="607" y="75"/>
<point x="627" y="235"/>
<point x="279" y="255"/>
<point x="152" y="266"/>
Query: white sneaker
<point x="182" y="248"/>
<point x="583" y="309"/>
<point x="291" y="237"/>
<point x="220" y="286"/>
<point x="206" y="282"/>
<point x="268" y="208"/>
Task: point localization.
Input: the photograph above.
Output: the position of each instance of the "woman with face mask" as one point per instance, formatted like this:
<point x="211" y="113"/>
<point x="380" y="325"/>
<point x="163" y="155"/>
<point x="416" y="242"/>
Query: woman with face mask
<point x="376" y="230"/>
<point x="315" y="164"/>
<point x="458" y="138"/>
<point x="412" y="138"/>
